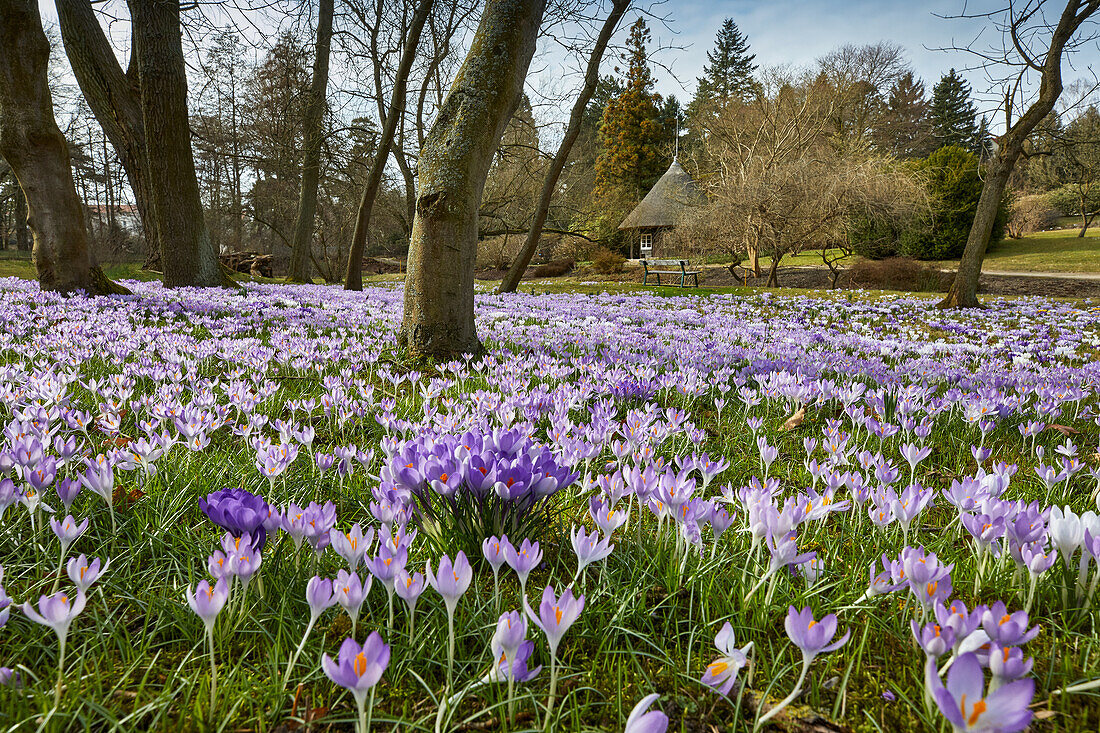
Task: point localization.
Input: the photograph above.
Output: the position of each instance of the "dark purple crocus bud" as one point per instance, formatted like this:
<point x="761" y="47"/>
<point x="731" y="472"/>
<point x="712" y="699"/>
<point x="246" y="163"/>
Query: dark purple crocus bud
<point x="237" y="511"/>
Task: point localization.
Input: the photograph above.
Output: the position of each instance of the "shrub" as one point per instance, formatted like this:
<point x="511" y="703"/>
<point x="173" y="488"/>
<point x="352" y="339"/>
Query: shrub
<point x="873" y="238"/>
<point x="1029" y="214"/>
<point x="607" y="262"/>
<point x="898" y="273"/>
<point x="557" y="268"/>
<point x="954" y="184"/>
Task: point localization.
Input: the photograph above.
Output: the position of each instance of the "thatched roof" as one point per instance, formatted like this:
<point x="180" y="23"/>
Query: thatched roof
<point x="664" y="205"/>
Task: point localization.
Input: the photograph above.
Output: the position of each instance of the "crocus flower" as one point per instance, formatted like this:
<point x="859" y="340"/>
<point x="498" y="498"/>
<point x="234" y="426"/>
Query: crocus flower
<point x="722" y="673"/>
<point x="451" y="582"/>
<point x="555" y="616"/>
<point x="962" y="702"/>
<point x="589" y="548"/>
<point x="358" y="669"/>
<point x="523" y="561"/>
<point x="351" y="545"/>
<point x="409" y="587"/>
<point x="68" y="530"/>
<point x="84" y="575"/>
<point x="813" y="638"/>
<point x="495" y="552"/>
<point x="57" y="612"/>
<point x="1007" y="629"/>
<point x="319" y="596"/>
<point x="350" y="594"/>
<point x="67" y="490"/>
<point x="237" y="511"/>
<point x="515" y="669"/>
<point x="208" y="602"/>
<point x="644" y="720"/>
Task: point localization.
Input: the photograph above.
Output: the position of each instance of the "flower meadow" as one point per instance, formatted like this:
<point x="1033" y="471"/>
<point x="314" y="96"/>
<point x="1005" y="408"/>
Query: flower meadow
<point x="248" y="511"/>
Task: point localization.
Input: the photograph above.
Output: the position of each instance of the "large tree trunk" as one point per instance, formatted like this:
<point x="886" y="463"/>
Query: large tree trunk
<point x="591" y="78"/>
<point x="353" y="275"/>
<point x="186" y="252"/>
<point x="34" y="147"/>
<point x="114" y="97"/>
<point x="964" y="289"/>
<point x="311" y="156"/>
<point x="439" y="286"/>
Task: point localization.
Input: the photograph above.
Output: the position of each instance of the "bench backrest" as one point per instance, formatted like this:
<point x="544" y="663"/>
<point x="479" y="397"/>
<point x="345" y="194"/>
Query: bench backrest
<point x="664" y="263"/>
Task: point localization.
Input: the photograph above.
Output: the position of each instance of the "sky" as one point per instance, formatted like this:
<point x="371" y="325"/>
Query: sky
<point x="798" y="32"/>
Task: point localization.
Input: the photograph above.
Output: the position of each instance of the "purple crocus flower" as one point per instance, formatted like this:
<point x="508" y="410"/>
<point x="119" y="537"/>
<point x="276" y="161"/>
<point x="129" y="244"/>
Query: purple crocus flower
<point x="1007" y="629"/>
<point x="351" y="545"/>
<point x="451" y="582"/>
<point x="408" y="588"/>
<point x="350" y="593"/>
<point x="67" y="490"/>
<point x="517" y="669"/>
<point x="84" y="574"/>
<point x="589" y="548"/>
<point x="237" y="511"/>
<point x="934" y="639"/>
<point x="1005" y="710"/>
<point x="358" y="669"/>
<point x="208" y="602"/>
<point x="1008" y="664"/>
<point x="812" y="637"/>
<point x="523" y="560"/>
<point x="722" y="673"/>
<point x="68" y="530"/>
<point x="644" y="720"/>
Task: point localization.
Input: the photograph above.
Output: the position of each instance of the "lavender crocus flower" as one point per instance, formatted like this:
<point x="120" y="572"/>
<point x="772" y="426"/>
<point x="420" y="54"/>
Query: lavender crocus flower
<point x="644" y="720"/>
<point x="451" y="582"/>
<point x="350" y="593"/>
<point x="496" y="554"/>
<point x="813" y="638"/>
<point x="351" y="545"/>
<point x="523" y="560"/>
<point x="208" y="602"/>
<point x="409" y="587"/>
<point x="722" y="673"/>
<point x="320" y="597"/>
<point x="358" y="669"/>
<point x="555" y="616"/>
<point x="84" y="574"/>
<point x="589" y="548"/>
<point x="962" y="702"/>
<point x="57" y="612"/>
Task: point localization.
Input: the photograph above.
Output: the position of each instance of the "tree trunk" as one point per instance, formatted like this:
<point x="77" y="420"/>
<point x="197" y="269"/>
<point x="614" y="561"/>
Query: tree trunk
<point x="353" y="275"/>
<point x="114" y="98"/>
<point x="186" y="253"/>
<point x="572" y="131"/>
<point x="34" y="147"/>
<point x="22" y="232"/>
<point x="754" y="261"/>
<point x="964" y="288"/>
<point x="311" y="156"/>
<point x="458" y="150"/>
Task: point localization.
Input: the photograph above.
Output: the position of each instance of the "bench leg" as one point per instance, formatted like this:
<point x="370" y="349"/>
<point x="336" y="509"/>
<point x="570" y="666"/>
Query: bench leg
<point x="645" y="278"/>
<point x="658" y="278"/>
<point x="696" y="279"/>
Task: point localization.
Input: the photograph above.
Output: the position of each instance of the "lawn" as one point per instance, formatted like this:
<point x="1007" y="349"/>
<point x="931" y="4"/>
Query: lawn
<point x="1054" y="251"/>
<point x="732" y="459"/>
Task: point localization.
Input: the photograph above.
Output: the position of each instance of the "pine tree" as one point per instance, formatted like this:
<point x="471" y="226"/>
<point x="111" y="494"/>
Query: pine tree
<point x="904" y="130"/>
<point x="728" y="76"/>
<point x="953" y="114"/>
<point x="633" y="137"/>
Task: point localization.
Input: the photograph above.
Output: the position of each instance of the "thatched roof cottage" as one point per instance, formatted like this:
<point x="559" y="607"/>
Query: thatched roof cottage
<point x="661" y="211"/>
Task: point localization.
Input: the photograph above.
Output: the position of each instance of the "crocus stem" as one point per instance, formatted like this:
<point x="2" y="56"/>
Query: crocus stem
<point x="366" y="718"/>
<point x="62" y="638"/>
<point x="389" y="603"/>
<point x="213" y="671"/>
<point x="60" y="563"/>
<point x="553" y="687"/>
<point x="806" y="662"/>
<point x="1031" y="592"/>
<point x="511" y="692"/>
<point x="763" y="579"/>
<point x="298" y="651"/>
<point x="450" y="647"/>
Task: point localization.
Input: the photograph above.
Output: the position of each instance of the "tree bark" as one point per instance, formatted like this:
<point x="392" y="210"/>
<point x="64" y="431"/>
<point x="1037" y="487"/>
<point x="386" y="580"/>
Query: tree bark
<point x="963" y="292"/>
<point x="572" y="131"/>
<point x="34" y="147"/>
<point x="311" y="156"/>
<point x="458" y="150"/>
<point x="186" y="252"/>
<point x="353" y="275"/>
<point x="114" y="97"/>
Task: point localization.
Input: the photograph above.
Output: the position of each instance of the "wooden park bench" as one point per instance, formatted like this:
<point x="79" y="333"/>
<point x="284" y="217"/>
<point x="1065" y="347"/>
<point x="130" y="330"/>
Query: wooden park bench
<point x="683" y="272"/>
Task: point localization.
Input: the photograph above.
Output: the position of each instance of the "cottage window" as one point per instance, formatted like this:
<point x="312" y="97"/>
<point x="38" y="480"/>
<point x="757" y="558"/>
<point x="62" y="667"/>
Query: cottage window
<point x="647" y="243"/>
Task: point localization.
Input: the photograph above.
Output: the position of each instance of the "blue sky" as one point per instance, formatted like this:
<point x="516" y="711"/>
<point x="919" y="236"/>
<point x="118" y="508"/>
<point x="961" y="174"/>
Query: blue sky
<point x="800" y="31"/>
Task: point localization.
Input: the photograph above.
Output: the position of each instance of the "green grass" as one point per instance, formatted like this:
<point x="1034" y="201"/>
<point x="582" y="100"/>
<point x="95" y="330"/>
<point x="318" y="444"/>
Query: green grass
<point x="1053" y="251"/>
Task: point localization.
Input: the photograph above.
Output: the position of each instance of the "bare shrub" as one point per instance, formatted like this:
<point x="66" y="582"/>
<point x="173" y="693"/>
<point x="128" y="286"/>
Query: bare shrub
<point x="1030" y="214"/>
<point x="556" y="268"/>
<point x="607" y="262"/>
<point x="898" y="273"/>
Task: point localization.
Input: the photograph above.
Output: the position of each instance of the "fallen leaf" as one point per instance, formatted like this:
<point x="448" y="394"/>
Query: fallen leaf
<point x="795" y="420"/>
<point x="1064" y="429"/>
<point x="1044" y="714"/>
